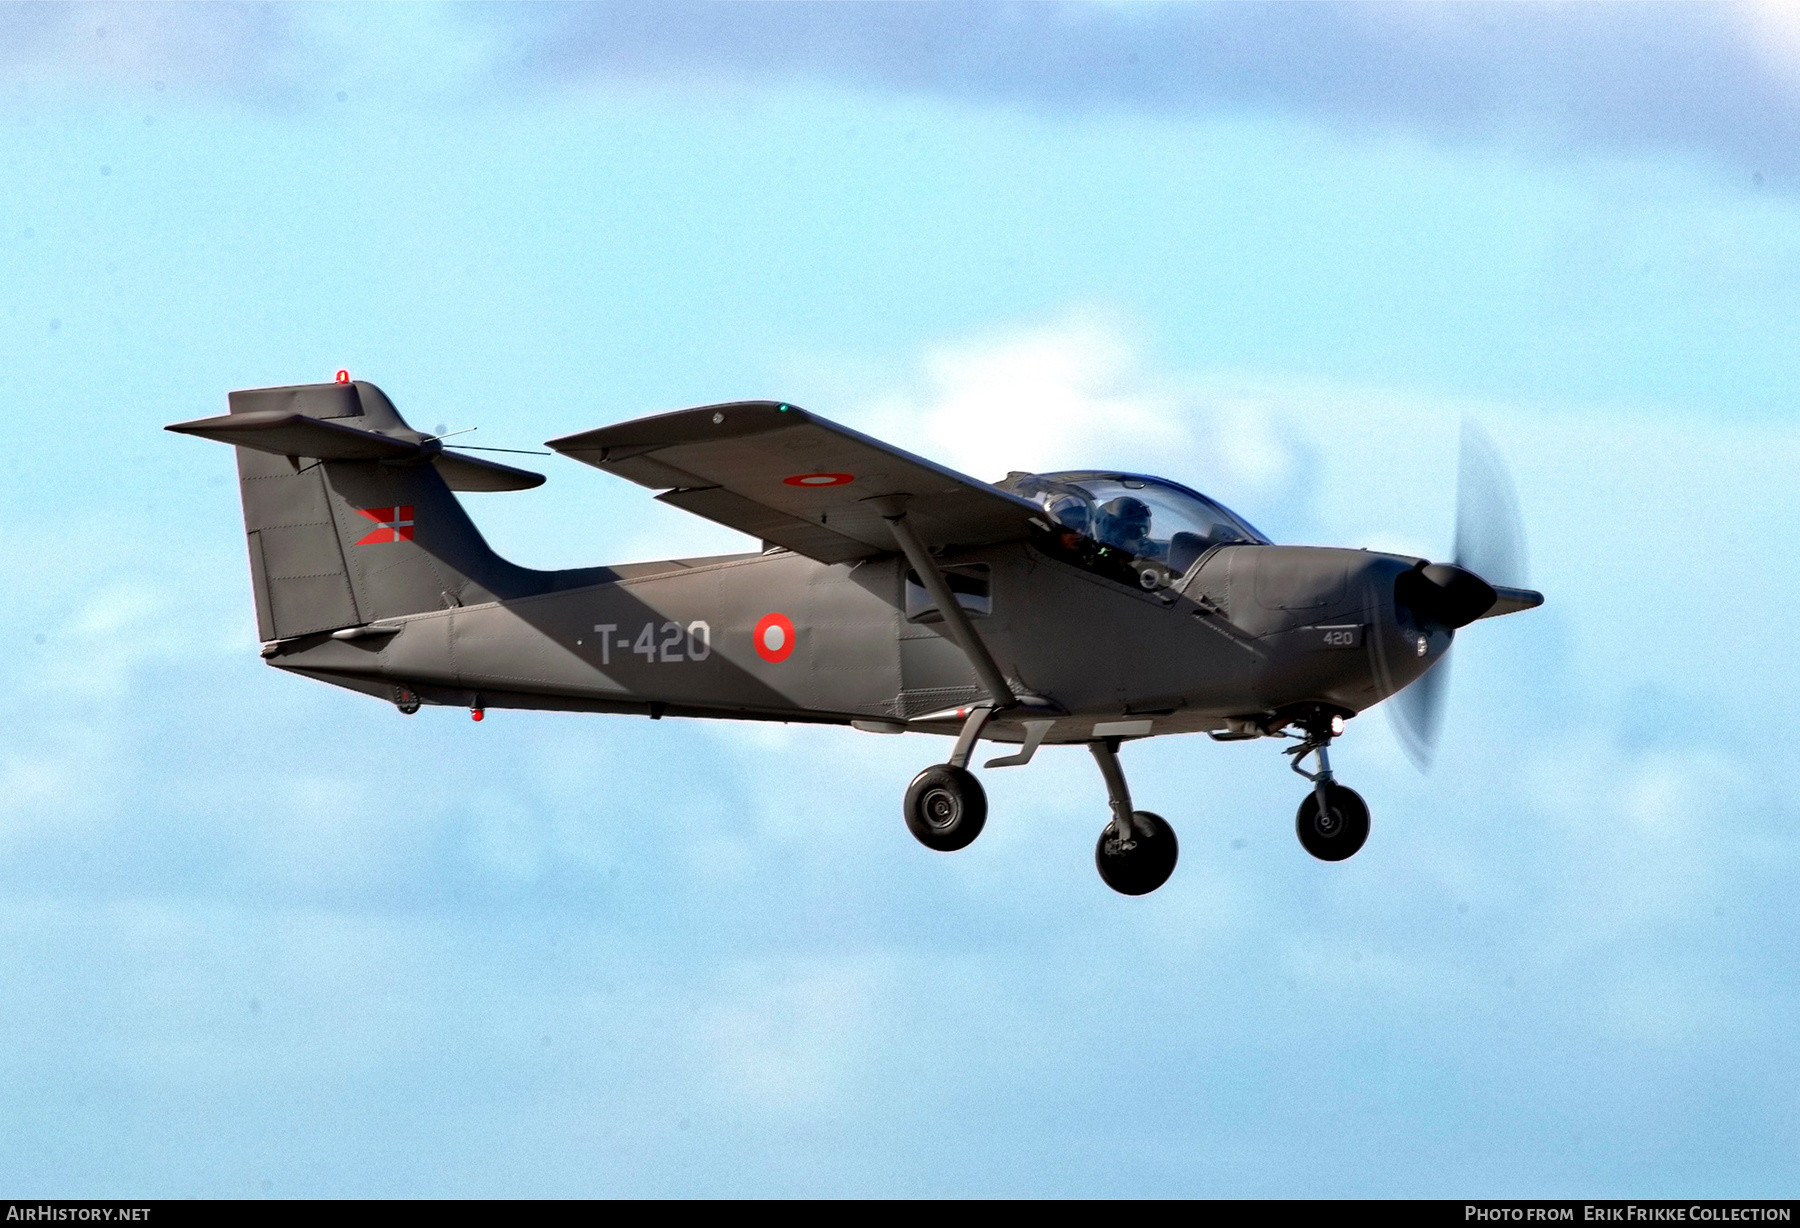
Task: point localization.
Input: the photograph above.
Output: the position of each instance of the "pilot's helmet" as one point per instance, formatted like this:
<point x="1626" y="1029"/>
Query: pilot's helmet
<point x="1072" y="513"/>
<point x="1124" y="522"/>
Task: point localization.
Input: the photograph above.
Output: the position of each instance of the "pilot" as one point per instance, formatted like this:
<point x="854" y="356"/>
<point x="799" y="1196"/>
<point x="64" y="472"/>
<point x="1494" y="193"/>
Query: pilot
<point x="1124" y="523"/>
<point x="1073" y="515"/>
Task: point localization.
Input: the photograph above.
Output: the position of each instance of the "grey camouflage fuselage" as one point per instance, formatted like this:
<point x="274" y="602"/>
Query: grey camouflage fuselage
<point x="1246" y="638"/>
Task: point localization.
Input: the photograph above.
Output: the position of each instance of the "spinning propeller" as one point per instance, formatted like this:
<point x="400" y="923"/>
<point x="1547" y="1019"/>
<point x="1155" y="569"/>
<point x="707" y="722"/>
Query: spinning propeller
<point x="1490" y="551"/>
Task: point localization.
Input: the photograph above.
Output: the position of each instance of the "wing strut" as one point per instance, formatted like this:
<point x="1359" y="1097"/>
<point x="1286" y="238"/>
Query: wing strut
<point x="893" y="510"/>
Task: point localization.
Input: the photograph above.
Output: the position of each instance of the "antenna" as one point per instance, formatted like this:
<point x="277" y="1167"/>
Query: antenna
<point x="471" y="448"/>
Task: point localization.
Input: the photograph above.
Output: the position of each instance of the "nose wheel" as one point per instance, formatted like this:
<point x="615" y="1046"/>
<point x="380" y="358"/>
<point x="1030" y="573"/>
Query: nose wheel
<point x="1332" y="826"/>
<point x="1333" y="821"/>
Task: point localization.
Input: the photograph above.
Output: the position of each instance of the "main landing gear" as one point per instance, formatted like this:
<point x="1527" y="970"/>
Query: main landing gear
<point x="946" y="806"/>
<point x="946" y="809"/>
<point x="1136" y="851"/>
<point x="1333" y="820"/>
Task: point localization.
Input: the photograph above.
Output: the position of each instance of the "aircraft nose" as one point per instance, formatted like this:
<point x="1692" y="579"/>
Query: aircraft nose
<point x="1444" y="594"/>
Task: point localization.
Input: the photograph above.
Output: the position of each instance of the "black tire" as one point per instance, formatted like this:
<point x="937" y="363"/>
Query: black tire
<point x="946" y="807"/>
<point x="1341" y="831"/>
<point x="1141" y="864"/>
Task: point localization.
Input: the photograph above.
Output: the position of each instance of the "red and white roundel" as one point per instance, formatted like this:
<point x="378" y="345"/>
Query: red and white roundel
<point x="820" y="479"/>
<point x="774" y="638"/>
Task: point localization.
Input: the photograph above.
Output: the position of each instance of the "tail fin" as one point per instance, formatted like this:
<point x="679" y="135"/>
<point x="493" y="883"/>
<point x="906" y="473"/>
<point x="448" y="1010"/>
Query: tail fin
<point x="349" y="515"/>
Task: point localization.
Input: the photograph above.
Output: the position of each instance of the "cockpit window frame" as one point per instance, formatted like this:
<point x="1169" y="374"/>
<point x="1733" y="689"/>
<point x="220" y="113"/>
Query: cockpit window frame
<point x="1080" y="538"/>
<point x="1076" y="477"/>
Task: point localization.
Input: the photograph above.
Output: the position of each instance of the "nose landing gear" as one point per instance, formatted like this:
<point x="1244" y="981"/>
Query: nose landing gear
<point x="1136" y="852"/>
<point x="1333" y="821"/>
<point x="1334" y="827"/>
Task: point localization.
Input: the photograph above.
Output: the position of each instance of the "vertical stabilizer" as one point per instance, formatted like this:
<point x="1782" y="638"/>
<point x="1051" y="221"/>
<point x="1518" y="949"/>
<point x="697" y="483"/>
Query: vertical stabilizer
<point x="349" y="516"/>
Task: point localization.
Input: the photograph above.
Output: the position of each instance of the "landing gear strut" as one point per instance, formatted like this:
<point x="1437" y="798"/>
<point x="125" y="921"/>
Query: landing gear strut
<point x="1136" y="852"/>
<point x="946" y="807"/>
<point x="1333" y="821"/>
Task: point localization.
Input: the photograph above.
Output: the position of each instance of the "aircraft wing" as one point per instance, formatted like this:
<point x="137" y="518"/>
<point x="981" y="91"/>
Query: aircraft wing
<point x="794" y="479"/>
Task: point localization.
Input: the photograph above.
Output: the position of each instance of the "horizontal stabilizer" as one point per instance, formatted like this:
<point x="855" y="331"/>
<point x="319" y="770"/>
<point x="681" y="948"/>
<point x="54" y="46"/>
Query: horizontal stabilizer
<point x="461" y="472"/>
<point x="283" y="433"/>
<point x="290" y="434"/>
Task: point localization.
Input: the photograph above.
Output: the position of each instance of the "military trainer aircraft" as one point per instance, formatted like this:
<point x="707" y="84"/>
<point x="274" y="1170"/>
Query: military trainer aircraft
<point x="891" y="594"/>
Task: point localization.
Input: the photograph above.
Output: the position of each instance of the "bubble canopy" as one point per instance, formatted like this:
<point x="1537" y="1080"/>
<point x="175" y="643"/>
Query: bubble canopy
<point x="1148" y="518"/>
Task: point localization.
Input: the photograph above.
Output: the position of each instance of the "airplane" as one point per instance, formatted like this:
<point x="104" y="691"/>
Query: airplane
<point x="891" y="594"/>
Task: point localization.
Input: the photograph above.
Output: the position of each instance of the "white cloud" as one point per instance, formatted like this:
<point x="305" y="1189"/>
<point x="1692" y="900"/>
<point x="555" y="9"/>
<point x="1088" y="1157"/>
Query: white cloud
<point x="1078" y="393"/>
<point x="1052" y="397"/>
<point x="255" y="53"/>
<point x="1771" y="31"/>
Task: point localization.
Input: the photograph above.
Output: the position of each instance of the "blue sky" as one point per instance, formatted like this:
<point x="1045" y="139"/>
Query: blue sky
<point x="258" y="936"/>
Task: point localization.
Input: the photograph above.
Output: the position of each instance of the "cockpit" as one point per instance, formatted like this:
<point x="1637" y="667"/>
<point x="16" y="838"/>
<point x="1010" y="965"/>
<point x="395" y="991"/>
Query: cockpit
<point x="1147" y="519"/>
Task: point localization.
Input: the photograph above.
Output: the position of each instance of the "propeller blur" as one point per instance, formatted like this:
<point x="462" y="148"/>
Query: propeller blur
<point x="1489" y="551"/>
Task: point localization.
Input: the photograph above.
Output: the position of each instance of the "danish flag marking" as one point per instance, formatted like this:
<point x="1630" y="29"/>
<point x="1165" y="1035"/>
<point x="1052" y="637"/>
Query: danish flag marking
<point x="395" y="524"/>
